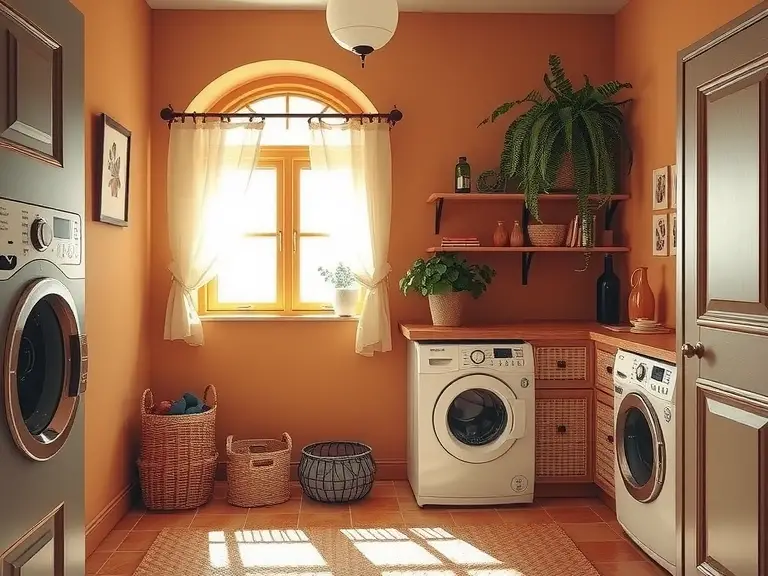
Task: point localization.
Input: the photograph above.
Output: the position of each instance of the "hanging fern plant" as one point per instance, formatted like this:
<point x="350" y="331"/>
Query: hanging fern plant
<point x="585" y="126"/>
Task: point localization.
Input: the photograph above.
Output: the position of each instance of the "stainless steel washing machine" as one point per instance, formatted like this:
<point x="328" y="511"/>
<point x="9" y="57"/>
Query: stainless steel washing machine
<point x="42" y="289"/>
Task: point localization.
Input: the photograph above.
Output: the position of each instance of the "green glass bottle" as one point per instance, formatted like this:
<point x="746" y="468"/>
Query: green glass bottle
<point x="463" y="180"/>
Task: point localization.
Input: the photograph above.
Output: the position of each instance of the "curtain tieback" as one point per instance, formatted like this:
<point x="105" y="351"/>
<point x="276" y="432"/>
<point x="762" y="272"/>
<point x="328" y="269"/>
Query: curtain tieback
<point x="379" y="276"/>
<point x="175" y="277"/>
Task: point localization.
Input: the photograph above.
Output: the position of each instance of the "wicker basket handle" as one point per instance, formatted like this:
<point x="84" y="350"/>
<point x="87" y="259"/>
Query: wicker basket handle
<point x="229" y="443"/>
<point x="212" y="389"/>
<point x="288" y="441"/>
<point x="147" y="395"/>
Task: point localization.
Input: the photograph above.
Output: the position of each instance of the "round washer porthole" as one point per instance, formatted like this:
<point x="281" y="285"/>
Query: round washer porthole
<point x="640" y="448"/>
<point x="474" y="418"/>
<point x="42" y="369"/>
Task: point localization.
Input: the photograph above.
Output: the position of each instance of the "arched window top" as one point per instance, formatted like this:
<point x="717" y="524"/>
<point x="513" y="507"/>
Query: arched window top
<point x="288" y="131"/>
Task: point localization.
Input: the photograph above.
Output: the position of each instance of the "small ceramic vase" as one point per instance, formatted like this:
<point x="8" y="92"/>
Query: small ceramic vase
<point x="500" y="235"/>
<point x="642" y="302"/>
<point x="516" y="238"/>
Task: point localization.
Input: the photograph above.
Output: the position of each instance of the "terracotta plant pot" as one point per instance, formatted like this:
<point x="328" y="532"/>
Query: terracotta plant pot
<point x="446" y="309"/>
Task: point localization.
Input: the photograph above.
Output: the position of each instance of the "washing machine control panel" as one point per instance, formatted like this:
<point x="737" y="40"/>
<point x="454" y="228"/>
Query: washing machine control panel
<point x="656" y="377"/>
<point x="29" y="232"/>
<point x="504" y="357"/>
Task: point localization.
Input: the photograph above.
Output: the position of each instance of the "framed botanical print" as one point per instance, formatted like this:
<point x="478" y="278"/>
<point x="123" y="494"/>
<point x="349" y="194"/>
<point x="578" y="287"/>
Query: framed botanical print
<point x="660" y="189"/>
<point x="660" y="234"/>
<point x="673" y="186"/>
<point x="673" y="234"/>
<point x="114" y="172"/>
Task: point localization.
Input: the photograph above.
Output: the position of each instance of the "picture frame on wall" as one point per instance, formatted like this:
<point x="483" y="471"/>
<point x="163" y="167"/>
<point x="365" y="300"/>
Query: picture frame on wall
<point x="673" y="234"/>
<point x="673" y="186"/>
<point x="114" y="172"/>
<point x="660" y="234"/>
<point x="660" y="188"/>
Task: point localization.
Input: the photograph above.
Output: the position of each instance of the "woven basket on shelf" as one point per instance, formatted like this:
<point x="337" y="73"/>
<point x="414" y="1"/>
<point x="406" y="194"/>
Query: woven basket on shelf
<point x="446" y="309"/>
<point x="166" y="438"/>
<point x="177" y="485"/>
<point x="258" y="471"/>
<point x="547" y="234"/>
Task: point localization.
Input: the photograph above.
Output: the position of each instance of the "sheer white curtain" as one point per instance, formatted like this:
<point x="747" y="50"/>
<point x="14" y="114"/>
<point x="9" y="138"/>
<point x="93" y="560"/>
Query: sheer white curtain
<point x="358" y="154"/>
<point x="209" y="169"/>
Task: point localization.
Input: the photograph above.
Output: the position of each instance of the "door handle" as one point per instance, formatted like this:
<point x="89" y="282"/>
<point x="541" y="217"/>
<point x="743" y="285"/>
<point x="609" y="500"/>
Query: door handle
<point x="691" y="350"/>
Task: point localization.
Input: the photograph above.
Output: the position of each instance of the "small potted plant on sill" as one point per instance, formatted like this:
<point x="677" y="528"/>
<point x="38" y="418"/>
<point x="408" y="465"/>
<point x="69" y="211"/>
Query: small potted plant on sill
<point x="347" y="290"/>
<point x="571" y="140"/>
<point x="445" y="279"/>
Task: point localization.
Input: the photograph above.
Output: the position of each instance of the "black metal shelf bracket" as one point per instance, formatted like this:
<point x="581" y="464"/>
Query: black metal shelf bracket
<point x="526" y="263"/>
<point x="610" y="210"/>
<point x="438" y="214"/>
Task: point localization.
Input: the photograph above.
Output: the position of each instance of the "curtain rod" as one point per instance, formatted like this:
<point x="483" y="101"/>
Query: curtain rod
<point x="170" y="115"/>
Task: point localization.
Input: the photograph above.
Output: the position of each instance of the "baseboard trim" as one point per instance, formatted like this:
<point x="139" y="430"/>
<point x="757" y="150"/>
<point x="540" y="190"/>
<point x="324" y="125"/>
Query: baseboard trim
<point x="98" y="528"/>
<point x="385" y="470"/>
<point x="570" y="490"/>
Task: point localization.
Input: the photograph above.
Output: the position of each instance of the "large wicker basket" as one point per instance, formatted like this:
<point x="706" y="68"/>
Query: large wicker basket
<point x="183" y="438"/>
<point x="547" y="234"/>
<point x="177" y="485"/>
<point x="258" y="471"/>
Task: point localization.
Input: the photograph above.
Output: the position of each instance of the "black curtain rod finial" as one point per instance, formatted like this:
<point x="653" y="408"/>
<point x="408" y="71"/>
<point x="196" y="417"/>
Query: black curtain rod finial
<point x="167" y="114"/>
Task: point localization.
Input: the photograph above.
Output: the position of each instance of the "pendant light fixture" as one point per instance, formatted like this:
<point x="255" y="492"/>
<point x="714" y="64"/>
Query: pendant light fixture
<point x="362" y="26"/>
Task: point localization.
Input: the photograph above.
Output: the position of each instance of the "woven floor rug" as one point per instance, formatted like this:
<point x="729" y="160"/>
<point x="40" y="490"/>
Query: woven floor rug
<point x="495" y="550"/>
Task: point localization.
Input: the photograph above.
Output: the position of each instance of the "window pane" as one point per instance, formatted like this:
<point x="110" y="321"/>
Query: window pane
<point x="315" y="252"/>
<point x="273" y="127"/>
<point x="316" y="202"/>
<point x="299" y="127"/>
<point x="248" y="272"/>
<point x="261" y="202"/>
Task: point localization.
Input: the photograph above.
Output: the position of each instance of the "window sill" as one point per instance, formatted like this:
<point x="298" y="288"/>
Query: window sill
<point x="276" y="318"/>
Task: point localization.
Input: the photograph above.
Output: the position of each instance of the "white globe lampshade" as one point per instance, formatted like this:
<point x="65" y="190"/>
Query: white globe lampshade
<point x="362" y="26"/>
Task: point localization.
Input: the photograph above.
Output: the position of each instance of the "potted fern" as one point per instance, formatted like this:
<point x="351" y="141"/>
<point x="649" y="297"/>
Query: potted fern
<point x="570" y="130"/>
<point x="444" y="279"/>
<point x="347" y="290"/>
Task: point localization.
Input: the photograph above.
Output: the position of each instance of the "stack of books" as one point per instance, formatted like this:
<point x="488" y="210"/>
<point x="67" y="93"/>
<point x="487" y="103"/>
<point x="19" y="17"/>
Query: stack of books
<point x="457" y="242"/>
<point x="577" y="232"/>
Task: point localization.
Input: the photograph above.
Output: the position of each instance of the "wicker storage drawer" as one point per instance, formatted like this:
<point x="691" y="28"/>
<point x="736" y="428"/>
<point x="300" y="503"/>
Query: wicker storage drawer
<point x="604" y="371"/>
<point x="561" y="363"/>
<point x="563" y="432"/>
<point x="604" y="448"/>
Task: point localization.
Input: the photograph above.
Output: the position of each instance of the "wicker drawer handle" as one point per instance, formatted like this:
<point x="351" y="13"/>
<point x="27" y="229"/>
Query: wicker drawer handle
<point x="561" y="429"/>
<point x="609" y="369"/>
<point x="561" y="364"/>
<point x="610" y="438"/>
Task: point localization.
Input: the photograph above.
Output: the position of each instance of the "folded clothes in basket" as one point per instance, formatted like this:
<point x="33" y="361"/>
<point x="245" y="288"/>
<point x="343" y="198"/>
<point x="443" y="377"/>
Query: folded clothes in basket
<point x="187" y="404"/>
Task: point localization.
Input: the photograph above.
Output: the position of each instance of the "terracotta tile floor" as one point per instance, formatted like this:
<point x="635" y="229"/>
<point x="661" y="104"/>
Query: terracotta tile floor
<point x="590" y="524"/>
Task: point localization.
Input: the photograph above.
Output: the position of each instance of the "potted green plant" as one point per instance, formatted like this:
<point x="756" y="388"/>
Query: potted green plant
<point x="444" y="279"/>
<point x="578" y="131"/>
<point x="347" y="290"/>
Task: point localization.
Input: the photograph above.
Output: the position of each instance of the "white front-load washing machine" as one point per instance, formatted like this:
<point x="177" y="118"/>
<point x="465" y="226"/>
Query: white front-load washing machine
<point x="644" y="412"/>
<point x="471" y="414"/>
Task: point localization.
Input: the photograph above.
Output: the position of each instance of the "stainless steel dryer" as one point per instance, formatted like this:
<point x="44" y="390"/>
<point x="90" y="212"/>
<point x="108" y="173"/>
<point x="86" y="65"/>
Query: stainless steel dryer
<point x="42" y="289"/>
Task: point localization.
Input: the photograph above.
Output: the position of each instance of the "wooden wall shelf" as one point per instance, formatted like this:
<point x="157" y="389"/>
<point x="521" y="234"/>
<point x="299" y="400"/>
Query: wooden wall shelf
<point x="528" y="252"/>
<point x="476" y="197"/>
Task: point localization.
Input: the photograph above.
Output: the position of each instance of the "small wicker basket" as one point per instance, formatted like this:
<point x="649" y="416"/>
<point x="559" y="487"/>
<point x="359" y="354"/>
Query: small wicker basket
<point x="547" y="235"/>
<point x="258" y="471"/>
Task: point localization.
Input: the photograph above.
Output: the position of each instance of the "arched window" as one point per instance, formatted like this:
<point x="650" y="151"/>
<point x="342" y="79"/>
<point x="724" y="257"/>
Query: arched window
<point x="274" y="268"/>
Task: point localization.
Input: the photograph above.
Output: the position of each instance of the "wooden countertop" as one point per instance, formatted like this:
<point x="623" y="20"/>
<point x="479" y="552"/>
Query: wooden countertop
<point x="661" y="346"/>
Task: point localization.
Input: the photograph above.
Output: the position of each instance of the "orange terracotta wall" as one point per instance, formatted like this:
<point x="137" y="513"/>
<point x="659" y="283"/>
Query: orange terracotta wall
<point x="117" y="44"/>
<point x="649" y="34"/>
<point x="445" y="72"/>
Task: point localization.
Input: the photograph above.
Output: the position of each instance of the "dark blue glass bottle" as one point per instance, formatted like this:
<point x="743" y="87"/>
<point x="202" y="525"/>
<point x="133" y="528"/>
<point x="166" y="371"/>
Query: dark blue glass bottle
<point x="608" y="294"/>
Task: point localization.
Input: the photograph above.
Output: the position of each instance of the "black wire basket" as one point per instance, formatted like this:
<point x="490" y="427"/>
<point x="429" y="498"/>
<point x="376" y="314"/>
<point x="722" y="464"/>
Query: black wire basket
<point x="337" y="471"/>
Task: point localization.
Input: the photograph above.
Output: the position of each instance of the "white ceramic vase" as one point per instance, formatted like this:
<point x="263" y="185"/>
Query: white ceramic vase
<point x="345" y="302"/>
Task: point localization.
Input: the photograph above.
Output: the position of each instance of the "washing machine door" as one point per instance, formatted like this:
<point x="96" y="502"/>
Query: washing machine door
<point x="477" y="418"/>
<point x="45" y="368"/>
<point x="640" y="449"/>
